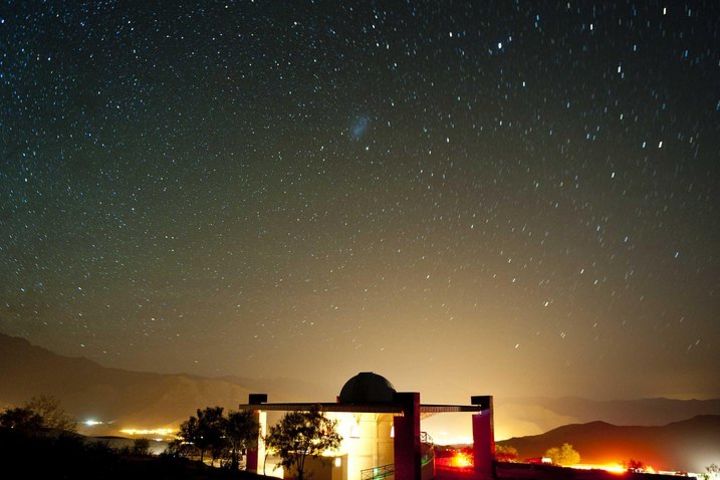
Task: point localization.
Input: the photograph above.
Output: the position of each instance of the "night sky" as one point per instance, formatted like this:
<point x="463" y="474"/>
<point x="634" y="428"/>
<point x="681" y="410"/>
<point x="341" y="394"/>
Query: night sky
<point x="518" y="198"/>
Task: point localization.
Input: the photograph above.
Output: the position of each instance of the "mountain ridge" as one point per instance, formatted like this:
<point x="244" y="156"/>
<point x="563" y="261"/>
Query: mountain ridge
<point x="520" y="416"/>
<point x="687" y="445"/>
<point x="89" y="390"/>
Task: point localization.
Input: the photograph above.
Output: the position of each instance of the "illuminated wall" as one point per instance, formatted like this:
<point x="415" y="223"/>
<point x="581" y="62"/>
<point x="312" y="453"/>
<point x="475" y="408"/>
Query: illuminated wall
<point x="367" y="442"/>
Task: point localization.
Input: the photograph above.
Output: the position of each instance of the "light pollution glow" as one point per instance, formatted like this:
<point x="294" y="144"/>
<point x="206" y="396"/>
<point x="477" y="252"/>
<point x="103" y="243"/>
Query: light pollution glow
<point x="165" y="432"/>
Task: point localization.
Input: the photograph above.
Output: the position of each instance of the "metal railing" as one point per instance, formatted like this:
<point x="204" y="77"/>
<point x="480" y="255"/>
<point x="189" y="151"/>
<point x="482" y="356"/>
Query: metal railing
<point x="384" y="471"/>
<point x="377" y="473"/>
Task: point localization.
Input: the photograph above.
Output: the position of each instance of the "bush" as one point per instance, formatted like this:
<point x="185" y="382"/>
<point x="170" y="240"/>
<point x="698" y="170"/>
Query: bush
<point x="141" y="446"/>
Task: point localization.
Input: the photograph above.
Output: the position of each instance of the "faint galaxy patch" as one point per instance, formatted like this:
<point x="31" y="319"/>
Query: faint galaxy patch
<point x="359" y="127"/>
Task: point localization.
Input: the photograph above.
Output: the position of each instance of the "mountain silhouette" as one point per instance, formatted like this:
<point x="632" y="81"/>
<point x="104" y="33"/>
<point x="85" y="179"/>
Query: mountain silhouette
<point x="126" y="399"/>
<point x="688" y="445"/>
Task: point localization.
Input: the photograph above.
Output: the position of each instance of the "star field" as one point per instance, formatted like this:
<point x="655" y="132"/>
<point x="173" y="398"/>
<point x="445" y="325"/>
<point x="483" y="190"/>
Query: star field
<point x="521" y="196"/>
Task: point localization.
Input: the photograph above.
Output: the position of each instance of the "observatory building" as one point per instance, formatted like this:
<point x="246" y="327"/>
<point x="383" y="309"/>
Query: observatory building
<point x="381" y="433"/>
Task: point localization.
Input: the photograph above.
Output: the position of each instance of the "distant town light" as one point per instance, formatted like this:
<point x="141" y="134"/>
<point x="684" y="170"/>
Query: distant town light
<point x="166" y="432"/>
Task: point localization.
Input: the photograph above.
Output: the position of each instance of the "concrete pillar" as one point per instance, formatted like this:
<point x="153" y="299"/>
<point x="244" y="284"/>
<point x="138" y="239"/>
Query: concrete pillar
<point x="483" y="437"/>
<point x="256" y="450"/>
<point x="407" y="437"/>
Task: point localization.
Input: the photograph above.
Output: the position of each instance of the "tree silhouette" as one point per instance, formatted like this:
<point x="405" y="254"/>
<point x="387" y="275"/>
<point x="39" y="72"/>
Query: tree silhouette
<point x="565" y="455"/>
<point x="141" y="446"/>
<point x="240" y="429"/>
<point x="223" y="437"/>
<point x="299" y="435"/>
<point x="52" y="413"/>
<point x="189" y="438"/>
<point x="205" y="432"/>
<point x="634" y="466"/>
<point x="210" y="430"/>
<point x="21" y="420"/>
